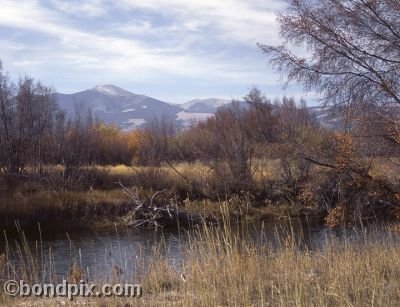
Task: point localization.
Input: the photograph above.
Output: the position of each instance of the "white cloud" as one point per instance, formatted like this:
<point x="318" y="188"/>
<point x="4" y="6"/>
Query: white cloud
<point x="207" y="42"/>
<point x="93" y="50"/>
<point x="91" y="8"/>
<point x="244" y="21"/>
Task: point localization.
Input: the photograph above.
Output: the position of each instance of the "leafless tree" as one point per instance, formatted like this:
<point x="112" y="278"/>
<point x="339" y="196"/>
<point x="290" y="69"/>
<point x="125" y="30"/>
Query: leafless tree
<point x="156" y="145"/>
<point x="353" y="49"/>
<point x="262" y="117"/>
<point x="36" y="107"/>
<point x="7" y="111"/>
<point x="232" y="143"/>
<point x="352" y="56"/>
<point x="26" y="115"/>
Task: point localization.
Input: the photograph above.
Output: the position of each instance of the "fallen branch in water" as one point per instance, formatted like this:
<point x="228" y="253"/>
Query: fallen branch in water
<point x="153" y="215"/>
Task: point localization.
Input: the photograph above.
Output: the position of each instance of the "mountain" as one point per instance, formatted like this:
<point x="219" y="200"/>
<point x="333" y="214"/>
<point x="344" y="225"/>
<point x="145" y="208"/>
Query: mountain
<point x="209" y="105"/>
<point x="114" y="105"/>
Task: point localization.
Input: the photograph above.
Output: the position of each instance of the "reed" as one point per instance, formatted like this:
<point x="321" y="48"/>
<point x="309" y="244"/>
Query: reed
<point x="223" y="266"/>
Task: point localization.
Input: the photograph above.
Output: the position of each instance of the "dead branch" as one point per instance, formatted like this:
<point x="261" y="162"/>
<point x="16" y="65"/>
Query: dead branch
<point x="152" y="215"/>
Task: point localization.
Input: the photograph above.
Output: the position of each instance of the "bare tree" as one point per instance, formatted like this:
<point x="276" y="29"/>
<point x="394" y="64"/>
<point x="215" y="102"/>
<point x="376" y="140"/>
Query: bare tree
<point x="9" y="161"/>
<point x="157" y="141"/>
<point x="26" y="114"/>
<point x="232" y="143"/>
<point x="354" y="49"/>
<point x="36" y="108"/>
<point x="262" y="117"/>
<point x="352" y="59"/>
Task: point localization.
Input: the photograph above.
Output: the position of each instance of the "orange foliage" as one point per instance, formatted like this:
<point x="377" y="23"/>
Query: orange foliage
<point x="343" y="150"/>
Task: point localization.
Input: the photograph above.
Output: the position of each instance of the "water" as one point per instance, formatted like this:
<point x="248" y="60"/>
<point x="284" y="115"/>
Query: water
<point x="98" y="251"/>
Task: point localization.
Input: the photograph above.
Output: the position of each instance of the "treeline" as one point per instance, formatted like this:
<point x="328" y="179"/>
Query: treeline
<point x="317" y="166"/>
<point x="230" y="142"/>
<point x="35" y="133"/>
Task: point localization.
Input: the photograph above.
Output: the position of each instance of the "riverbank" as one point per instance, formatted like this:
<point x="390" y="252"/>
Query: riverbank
<point x="96" y="199"/>
<point x="223" y="267"/>
<point x="66" y="211"/>
<point x="62" y="210"/>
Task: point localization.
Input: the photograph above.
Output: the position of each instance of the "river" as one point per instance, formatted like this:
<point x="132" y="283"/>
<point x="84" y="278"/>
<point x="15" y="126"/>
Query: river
<point x="97" y="251"/>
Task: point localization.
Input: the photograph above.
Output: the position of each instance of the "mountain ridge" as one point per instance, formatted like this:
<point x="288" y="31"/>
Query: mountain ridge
<point x="115" y="105"/>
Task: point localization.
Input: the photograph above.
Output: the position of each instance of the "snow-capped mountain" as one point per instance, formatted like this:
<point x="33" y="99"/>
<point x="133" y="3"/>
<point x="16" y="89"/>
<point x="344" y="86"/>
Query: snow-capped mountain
<point x="209" y="105"/>
<point x="114" y="105"/>
<point x="112" y="90"/>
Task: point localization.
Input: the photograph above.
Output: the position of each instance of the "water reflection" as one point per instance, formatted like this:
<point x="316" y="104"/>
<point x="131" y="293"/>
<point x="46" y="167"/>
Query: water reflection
<point x="131" y="250"/>
<point x="96" y="251"/>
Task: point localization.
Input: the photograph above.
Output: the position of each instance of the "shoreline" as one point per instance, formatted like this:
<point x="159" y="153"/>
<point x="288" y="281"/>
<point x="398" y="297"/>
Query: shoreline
<point x="222" y="270"/>
<point x="61" y="211"/>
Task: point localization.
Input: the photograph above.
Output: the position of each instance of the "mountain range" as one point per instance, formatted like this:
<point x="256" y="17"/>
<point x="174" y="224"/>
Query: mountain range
<point x="114" y="105"/>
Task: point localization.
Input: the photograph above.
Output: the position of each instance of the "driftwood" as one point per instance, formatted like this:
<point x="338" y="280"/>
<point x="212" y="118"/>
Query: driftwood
<point x="154" y="215"/>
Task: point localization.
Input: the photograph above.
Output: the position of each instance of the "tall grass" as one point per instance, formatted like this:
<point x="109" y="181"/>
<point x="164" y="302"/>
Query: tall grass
<point x="223" y="269"/>
<point x="223" y="266"/>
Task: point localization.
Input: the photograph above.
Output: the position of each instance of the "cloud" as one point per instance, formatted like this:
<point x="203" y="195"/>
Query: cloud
<point x="243" y="21"/>
<point x="154" y="41"/>
<point x="90" y="8"/>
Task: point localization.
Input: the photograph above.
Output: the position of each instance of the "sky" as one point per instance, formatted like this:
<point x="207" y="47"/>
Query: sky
<point x="172" y="50"/>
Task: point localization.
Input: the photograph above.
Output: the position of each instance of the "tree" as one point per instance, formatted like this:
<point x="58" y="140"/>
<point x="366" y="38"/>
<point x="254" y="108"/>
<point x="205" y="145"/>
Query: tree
<point x="112" y="146"/>
<point x="262" y="118"/>
<point x="155" y="144"/>
<point x="9" y="163"/>
<point x="26" y="115"/>
<point x="232" y="143"/>
<point x="294" y="122"/>
<point x="354" y="49"/>
<point x="36" y="107"/>
<point x="353" y="59"/>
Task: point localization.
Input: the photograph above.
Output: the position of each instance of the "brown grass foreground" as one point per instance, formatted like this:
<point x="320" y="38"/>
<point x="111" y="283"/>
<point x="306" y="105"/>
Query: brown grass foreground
<point x="223" y="269"/>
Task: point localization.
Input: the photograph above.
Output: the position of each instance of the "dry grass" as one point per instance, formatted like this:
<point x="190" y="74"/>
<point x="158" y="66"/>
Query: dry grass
<point x="57" y="208"/>
<point x="103" y="208"/>
<point x="223" y="270"/>
<point x="195" y="185"/>
<point x="220" y="268"/>
<point x="266" y="169"/>
<point x="47" y="200"/>
<point x="198" y="172"/>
